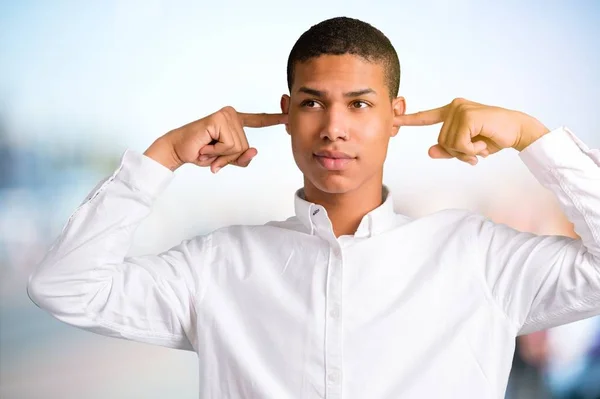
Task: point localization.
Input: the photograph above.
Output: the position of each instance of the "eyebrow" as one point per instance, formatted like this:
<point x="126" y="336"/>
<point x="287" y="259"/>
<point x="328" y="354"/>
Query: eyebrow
<point x="321" y="93"/>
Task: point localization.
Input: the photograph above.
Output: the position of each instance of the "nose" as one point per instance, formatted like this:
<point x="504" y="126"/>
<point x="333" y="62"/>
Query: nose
<point x="335" y="124"/>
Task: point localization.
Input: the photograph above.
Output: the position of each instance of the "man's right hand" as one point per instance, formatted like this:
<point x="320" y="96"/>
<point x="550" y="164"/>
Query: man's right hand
<point x="216" y="140"/>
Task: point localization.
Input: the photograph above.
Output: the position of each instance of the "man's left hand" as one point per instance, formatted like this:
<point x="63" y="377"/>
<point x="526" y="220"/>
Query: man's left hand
<point x="470" y="129"/>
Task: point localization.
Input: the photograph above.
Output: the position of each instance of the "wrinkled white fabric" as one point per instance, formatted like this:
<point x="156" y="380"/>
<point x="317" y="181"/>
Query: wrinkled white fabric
<point x="405" y="308"/>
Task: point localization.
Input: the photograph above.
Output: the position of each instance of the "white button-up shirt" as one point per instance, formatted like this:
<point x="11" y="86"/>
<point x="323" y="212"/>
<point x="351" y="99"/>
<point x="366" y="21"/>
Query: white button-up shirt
<point x="404" y="308"/>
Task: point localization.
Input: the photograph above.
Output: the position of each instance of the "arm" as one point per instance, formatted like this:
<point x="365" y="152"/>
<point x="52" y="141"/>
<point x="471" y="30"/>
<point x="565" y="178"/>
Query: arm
<point x="86" y="278"/>
<point x="87" y="281"/>
<point x="545" y="281"/>
<point x="539" y="281"/>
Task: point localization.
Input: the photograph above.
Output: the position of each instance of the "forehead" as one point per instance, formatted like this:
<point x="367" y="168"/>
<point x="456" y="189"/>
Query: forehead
<point x="345" y="72"/>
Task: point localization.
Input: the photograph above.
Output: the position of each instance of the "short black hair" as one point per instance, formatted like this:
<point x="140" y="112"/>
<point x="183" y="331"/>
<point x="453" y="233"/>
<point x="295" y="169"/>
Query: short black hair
<point x="343" y="35"/>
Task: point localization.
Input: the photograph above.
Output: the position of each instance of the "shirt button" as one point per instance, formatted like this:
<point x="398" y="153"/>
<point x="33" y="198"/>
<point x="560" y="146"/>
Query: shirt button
<point x="335" y="312"/>
<point x="337" y="252"/>
<point x="334" y="377"/>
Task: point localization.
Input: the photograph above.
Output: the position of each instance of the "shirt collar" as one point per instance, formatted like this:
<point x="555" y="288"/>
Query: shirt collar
<point x="315" y="218"/>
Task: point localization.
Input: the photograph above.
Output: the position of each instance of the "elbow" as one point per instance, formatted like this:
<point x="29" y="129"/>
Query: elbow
<point x="35" y="289"/>
<point x="45" y="290"/>
<point x="66" y="295"/>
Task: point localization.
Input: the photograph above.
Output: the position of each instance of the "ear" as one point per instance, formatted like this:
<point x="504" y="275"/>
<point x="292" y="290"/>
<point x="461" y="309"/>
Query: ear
<point x="399" y="109"/>
<point x="285" y="108"/>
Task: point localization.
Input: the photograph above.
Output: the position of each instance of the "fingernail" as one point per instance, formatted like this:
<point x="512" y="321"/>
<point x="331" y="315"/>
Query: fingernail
<point x="218" y="168"/>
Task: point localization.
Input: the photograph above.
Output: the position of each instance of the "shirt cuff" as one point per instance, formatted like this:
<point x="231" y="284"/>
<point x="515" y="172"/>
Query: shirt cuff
<point x="556" y="149"/>
<point x="144" y="173"/>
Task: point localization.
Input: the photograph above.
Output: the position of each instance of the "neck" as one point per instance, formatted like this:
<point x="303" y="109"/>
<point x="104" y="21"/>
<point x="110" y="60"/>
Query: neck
<point x="346" y="210"/>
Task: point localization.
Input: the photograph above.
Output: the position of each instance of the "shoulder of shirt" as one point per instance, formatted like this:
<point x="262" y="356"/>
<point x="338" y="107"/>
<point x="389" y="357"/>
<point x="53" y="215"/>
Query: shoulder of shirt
<point x="446" y="214"/>
<point x="239" y="230"/>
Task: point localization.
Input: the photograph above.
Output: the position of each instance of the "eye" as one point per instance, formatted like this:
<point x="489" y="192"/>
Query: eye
<point x="309" y="104"/>
<point x="359" y="104"/>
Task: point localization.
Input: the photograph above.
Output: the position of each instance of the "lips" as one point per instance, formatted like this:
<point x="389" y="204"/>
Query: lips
<point x="333" y="160"/>
<point x="333" y="154"/>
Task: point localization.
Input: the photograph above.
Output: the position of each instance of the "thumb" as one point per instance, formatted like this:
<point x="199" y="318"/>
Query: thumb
<point x="438" y="152"/>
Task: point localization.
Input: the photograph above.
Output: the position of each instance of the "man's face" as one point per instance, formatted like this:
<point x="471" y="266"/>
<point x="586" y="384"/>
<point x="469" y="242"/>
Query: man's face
<point x="340" y="118"/>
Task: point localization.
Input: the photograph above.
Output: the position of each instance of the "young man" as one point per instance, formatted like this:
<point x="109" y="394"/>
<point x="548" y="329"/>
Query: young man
<point x="347" y="299"/>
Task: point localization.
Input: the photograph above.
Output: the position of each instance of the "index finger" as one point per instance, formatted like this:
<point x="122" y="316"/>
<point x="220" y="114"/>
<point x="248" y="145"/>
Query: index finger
<point x="262" y="120"/>
<point x="423" y="118"/>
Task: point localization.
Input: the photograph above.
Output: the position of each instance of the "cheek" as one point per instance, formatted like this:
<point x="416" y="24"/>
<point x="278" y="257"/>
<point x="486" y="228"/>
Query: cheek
<point x="302" y="130"/>
<point x="374" y="136"/>
<point x="301" y="145"/>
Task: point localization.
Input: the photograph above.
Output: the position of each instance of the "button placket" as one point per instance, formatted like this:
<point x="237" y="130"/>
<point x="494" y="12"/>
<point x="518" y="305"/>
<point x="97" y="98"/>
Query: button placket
<point x="334" y="377"/>
<point x="335" y="312"/>
<point x="333" y="326"/>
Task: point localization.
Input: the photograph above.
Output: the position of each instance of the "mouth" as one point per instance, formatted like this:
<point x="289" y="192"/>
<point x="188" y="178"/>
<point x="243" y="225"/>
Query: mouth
<point x="333" y="160"/>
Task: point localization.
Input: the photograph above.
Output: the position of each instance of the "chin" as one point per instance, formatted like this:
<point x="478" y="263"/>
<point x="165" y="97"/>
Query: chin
<point x="333" y="183"/>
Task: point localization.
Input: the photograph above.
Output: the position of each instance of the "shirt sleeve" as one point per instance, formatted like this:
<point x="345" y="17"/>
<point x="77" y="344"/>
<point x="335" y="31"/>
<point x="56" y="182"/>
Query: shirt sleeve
<point x="87" y="280"/>
<point x="542" y="281"/>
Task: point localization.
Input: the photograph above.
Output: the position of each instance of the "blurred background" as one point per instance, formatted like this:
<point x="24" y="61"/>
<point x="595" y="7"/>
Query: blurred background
<point x="80" y="82"/>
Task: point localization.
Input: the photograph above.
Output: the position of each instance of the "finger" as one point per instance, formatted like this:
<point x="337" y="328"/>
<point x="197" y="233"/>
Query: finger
<point x="209" y="150"/>
<point x="262" y="120"/>
<point x="246" y="157"/>
<point x="438" y="152"/>
<point x="236" y="159"/>
<point x="205" y="160"/>
<point x="491" y="147"/>
<point x="455" y="154"/>
<point x="223" y="161"/>
<point x="241" y="161"/>
<point x="225" y="143"/>
<point x="237" y="132"/>
<point x="458" y="137"/>
<point x="423" y="118"/>
<point x="242" y="139"/>
<point x="445" y="132"/>
<point x="224" y="147"/>
<point x="470" y="159"/>
<point x="479" y="147"/>
<point x="462" y="144"/>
